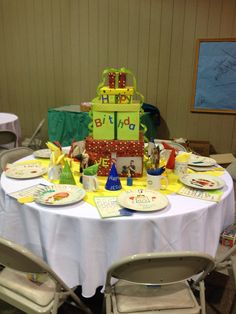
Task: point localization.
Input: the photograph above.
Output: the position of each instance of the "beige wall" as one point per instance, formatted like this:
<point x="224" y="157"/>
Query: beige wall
<point x="53" y="52"/>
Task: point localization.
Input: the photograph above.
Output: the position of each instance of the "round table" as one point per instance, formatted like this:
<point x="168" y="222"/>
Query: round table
<point x="80" y="246"/>
<point x="10" y="122"/>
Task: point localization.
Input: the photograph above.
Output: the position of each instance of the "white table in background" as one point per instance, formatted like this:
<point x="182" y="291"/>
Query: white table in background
<point x="80" y="246"/>
<point x="10" y="122"/>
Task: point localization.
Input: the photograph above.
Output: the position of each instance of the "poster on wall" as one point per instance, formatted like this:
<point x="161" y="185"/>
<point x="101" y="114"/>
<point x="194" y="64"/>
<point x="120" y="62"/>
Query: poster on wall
<point x="214" y="80"/>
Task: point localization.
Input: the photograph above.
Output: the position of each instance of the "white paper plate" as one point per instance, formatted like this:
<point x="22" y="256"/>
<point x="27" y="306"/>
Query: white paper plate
<point x="201" y="161"/>
<point x="142" y="200"/>
<point x="206" y="168"/>
<point x="202" y="181"/>
<point x="46" y="153"/>
<point x="173" y="144"/>
<point x="60" y="194"/>
<point x="26" y="171"/>
<point x="42" y="153"/>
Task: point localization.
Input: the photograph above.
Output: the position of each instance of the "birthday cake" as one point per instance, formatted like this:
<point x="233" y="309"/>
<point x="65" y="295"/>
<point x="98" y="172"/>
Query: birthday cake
<point x="115" y="131"/>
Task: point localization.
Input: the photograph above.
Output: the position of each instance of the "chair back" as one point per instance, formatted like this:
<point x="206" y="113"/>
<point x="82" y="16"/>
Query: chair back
<point x="161" y="268"/>
<point x="12" y="155"/>
<point x="37" y="130"/>
<point x="19" y="258"/>
<point x="7" y="137"/>
<point x="231" y="168"/>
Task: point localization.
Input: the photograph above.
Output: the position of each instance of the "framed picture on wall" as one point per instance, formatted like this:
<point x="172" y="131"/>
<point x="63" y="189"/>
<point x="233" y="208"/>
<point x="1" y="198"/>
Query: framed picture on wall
<point x="214" y="80"/>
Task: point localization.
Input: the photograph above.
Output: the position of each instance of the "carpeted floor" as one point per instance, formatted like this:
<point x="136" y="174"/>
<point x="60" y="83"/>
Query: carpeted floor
<point x="220" y="294"/>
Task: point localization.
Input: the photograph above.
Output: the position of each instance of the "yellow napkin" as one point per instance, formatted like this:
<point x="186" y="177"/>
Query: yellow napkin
<point x="56" y="157"/>
<point x="216" y="172"/>
<point x="26" y="199"/>
<point x="183" y="157"/>
<point x="173" y="187"/>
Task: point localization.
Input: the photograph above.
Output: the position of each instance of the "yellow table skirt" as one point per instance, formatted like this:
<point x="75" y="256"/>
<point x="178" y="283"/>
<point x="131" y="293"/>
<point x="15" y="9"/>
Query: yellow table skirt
<point x="173" y="186"/>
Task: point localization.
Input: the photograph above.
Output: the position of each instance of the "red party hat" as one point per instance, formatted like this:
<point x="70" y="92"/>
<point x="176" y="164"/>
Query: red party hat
<point x="167" y="146"/>
<point x="171" y="161"/>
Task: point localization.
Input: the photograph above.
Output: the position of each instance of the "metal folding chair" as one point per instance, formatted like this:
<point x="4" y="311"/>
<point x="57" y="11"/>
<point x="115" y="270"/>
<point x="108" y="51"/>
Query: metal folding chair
<point x="29" y="284"/>
<point x="8" y="140"/>
<point x="12" y="155"/>
<point x="157" y="283"/>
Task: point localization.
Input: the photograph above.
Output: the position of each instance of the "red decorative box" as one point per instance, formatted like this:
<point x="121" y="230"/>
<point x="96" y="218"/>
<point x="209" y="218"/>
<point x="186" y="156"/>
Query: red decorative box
<point x="228" y="236"/>
<point x="127" y="154"/>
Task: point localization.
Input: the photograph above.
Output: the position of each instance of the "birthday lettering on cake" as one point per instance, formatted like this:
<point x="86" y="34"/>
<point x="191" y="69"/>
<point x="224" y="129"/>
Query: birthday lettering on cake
<point x="120" y="124"/>
<point x="99" y="122"/>
<point x="103" y="162"/>
<point x="116" y="99"/>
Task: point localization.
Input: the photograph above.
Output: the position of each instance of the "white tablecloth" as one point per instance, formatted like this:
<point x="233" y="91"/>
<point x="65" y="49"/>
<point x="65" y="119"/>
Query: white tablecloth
<point x="80" y="246"/>
<point x="9" y="121"/>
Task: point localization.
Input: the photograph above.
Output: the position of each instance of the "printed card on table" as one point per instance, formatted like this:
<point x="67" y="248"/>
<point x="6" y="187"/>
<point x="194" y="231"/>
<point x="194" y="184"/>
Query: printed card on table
<point x="30" y="191"/>
<point x="108" y="207"/>
<point x="213" y="196"/>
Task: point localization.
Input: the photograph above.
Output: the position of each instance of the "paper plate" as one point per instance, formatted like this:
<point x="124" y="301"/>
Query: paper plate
<point x="173" y="144"/>
<point x="201" y="161"/>
<point x="42" y="153"/>
<point x="206" y="168"/>
<point x="202" y="181"/>
<point x="61" y="194"/>
<point x="142" y="200"/>
<point x="26" y="171"/>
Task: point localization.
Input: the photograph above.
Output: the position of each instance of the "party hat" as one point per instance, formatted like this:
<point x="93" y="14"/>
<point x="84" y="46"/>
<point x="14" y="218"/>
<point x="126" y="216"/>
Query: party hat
<point x="171" y="161"/>
<point x="66" y="175"/>
<point x="113" y="181"/>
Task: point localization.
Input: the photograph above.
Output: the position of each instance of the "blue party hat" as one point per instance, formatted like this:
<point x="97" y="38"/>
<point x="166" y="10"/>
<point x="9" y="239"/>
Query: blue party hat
<point x="113" y="181"/>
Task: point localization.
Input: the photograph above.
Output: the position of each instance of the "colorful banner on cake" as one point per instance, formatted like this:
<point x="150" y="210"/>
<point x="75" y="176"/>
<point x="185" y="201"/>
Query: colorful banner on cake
<point x="127" y="125"/>
<point x="103" y="125"/>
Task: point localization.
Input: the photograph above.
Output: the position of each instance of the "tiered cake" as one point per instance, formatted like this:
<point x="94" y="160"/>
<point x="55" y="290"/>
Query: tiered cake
<point x="115" y="127"/>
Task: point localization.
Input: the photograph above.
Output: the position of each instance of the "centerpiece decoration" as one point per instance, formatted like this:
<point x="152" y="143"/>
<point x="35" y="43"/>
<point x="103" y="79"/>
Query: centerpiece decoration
<point x="116" y="134"/>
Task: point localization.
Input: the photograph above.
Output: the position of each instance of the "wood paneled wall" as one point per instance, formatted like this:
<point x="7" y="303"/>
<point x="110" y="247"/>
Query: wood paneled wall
<point x="53" y="53"/>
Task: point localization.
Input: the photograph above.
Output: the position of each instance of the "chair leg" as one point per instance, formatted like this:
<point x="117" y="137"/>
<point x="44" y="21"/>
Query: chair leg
<point x="56" y="302"/>
<point x="104" y="306"/>
<point x="79" y="303"/>
<point x="233" y="265"/>
<point x="202" y="297"/>
<point x="107" y="305"/>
